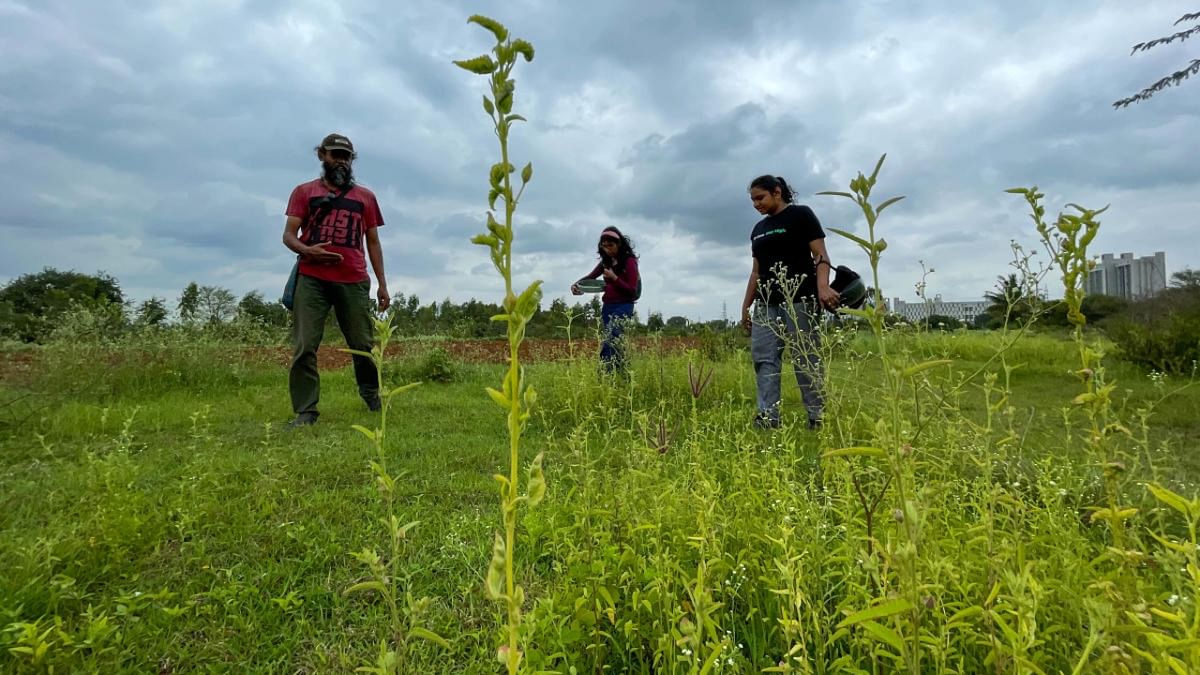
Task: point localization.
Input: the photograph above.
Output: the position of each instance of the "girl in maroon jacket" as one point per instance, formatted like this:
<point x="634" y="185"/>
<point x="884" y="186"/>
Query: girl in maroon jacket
<point x="619" y="267"/>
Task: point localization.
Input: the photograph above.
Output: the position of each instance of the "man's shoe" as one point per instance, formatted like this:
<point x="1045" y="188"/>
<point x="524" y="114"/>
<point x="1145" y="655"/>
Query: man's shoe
<point x="303" y="420"/>
<point x="762" y="421"/>
<point x="374" y="404"/>
<point x="814" y="425"/>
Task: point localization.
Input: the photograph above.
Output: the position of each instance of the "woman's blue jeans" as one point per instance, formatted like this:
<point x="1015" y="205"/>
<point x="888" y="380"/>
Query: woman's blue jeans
<point x="614" y="316"/>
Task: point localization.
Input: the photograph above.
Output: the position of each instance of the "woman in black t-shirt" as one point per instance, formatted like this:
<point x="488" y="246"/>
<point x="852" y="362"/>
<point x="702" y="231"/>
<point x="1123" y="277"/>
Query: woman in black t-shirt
<point x="790" y="282"/>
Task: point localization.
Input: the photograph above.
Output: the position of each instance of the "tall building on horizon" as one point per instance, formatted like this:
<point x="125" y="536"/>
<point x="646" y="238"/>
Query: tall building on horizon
<point x="966" y="311"/>
<point x="1128" y="277"/>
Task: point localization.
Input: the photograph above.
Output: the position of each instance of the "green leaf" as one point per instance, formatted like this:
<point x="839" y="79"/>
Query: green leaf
<point x="992" y="594"/>
<point x="358" y="352"/>
<point x="1182" y="548"/>
<point x="1171" y="499"/>
<point x="488" y="106"/>
<point x="364" y="431"/>
<point x="712" y="658"/>
<point x="480" y="65"/>
<point x="913" y="370"/>
<point x="537" y="481"/>
<point x="834" y="193"/>
<point x="485" y="240"/>
<point x="963" y="614"/>
<point x="429" y="636"/>
<point x="496" y="228"/>
<point x="403" y="531"/>
<point x="878" y="166"/>
<point x="881" y="246"/>
<point x="403" y="388"/>
<point x="498" y="171"/>
<point x="866" y="245"/>
<point x="858" y="451"/>
<point x="895" y="606"/>
<point x="493" y="25"/>
<point x="860" y="313"/>
<point x="1083" y="398"/>
<point x="516" y="118"/>
<point x="523" y="48"/>
<point x="879" y="209"/>
<point x="884" y="634"/>
<point x="495" y="573"/>
<point x="504" y="99"/>
<point x="527" y="303"/>
<point x="500" y="399"/>
<point x="366" y="586"/>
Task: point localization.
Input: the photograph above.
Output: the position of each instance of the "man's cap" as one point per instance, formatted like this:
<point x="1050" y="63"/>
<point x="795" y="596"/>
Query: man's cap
<point x="337" y="142"/>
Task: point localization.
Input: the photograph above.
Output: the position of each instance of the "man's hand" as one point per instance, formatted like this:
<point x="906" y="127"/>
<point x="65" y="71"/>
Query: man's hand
<point x="317" y="254"/>
<point x="385" y="300"/>
<point x="747" y="322"/>
<point x="829" y="298"/>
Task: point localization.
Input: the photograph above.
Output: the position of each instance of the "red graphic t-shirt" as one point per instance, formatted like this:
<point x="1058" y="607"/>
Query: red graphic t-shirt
<point x="345" y="222"/>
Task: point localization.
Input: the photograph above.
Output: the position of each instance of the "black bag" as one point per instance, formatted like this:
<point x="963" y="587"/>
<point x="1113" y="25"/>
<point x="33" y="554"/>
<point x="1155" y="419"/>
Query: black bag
<point x="323" y="207"/>
<point x="849" y="286"/>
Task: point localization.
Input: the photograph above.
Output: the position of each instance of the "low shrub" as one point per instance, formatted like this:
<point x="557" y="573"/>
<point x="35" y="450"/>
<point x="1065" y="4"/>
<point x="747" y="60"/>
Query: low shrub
<point x="1161" y="333"/>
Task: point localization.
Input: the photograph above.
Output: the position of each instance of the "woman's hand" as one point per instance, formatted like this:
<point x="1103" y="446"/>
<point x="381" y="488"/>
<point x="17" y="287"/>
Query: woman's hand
<point x="829" y="298"/>
<point x="575" y="290"/>
<point x="609" y="274"/>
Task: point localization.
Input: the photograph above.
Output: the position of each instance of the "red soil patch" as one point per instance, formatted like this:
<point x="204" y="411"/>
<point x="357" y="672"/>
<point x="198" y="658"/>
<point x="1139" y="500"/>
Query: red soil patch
<point x="22" y="366"/>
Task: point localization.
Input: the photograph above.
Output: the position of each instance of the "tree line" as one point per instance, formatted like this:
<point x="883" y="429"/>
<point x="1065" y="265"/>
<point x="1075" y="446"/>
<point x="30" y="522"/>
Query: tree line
<point x="33" y="305"/>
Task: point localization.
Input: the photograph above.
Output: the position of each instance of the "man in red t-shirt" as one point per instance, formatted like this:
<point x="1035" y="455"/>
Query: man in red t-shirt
<point x="328" y="221"/>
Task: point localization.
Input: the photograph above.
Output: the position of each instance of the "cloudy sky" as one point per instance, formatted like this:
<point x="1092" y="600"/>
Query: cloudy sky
<point x="159" y="140"/>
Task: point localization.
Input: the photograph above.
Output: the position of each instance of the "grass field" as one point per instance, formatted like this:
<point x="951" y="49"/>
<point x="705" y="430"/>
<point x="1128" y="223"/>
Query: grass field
<point x="156" y="517"/>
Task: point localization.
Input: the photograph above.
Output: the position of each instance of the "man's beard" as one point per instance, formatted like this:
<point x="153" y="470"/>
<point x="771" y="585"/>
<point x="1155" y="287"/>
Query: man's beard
<point x="338" y="175"/>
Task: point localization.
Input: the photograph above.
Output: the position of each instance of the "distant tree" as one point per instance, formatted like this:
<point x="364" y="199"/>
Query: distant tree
<point x="1178" y="76"/>
<point x="252" y="306"/>
<point x="1010" y="299"/>
<point x="215" y="304"/>
<point x="189" y="303"/>
<point x="1186" y="278"/>
<point x="151" y="312"/>
<point x="1095" y="308"/>
<point x="36" y="301"/>
<point x="655" y="322"/>
<point x="677" y="322"/>
<point x="943" y="322"/>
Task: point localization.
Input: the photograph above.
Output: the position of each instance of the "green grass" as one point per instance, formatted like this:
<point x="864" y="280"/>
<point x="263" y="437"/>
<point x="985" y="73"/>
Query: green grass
<point x="167" y="511"/>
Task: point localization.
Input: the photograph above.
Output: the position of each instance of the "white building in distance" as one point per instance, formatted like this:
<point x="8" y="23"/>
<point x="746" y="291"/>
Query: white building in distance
<point x="966" y="311"/>
<point x="1128" y="277"/>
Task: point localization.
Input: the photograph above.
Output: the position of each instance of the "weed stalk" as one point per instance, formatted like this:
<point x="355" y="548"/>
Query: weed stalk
<point x="515" y="397"/>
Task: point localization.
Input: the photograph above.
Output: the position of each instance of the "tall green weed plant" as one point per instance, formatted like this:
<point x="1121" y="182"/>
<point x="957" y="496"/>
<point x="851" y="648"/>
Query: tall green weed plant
<point x="515" y="396"/>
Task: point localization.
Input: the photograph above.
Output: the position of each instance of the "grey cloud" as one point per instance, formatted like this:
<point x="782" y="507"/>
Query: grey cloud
<point x="167" y="138"/>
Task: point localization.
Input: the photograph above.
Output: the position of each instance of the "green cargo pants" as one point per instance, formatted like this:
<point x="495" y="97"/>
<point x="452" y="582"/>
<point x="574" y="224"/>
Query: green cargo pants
<point x="352" y="307"/>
